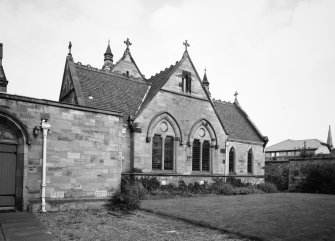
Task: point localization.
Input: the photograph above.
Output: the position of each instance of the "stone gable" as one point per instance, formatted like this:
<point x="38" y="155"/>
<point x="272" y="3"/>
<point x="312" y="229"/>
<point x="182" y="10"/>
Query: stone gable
<point x="174" y="83"/>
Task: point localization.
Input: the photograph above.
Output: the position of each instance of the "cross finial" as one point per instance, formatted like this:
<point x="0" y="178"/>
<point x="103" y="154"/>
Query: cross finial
<point x="70" y="46"/>
<point x="109" y="41"/>
<point x="236" y="94"/>
<point x="128" y="43"/>
<point x="205" y="69"/>
<point x="186" y="45"/>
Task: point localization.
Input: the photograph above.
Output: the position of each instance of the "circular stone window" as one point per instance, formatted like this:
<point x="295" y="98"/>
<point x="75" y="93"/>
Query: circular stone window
<point x="163" y="127"/>
<point x="202" y="132"/>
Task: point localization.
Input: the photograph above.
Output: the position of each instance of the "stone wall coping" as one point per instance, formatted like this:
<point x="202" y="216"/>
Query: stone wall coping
<point x="313" y="159"/>
<point x="245" y="142"/>
<point x="276" y="162"/>
<point x="189" y="175"/>
<point x="57" y="104"/>
<point x="69" y="200"/>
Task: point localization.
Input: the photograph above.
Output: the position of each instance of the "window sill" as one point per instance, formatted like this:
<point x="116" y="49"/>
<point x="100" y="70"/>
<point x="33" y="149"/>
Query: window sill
<point x="162" y="171"/>
<point x="200" y="172"/>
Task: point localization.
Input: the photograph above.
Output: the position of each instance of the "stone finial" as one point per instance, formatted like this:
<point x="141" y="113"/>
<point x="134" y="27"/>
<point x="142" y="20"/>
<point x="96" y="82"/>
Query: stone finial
<point x="3" y="80"/>
<point x="236" y="94"/>
<point x="70" y="47"/>
<point x="108" y="58"/>
<point x="329" y="138"/>
<point x="128" y="43"/>
<point x="186" y="44"/>
<point x="1" y="53"/>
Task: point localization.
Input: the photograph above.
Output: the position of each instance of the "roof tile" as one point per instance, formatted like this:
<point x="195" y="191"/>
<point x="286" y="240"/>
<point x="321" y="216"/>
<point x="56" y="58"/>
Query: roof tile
<point x="237" y="125"/>
<point x="110" y="91"/>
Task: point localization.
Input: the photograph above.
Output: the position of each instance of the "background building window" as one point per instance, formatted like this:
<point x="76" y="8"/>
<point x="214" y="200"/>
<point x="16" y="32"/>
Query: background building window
<point x="250" y="157"/>
<point x="231" y="160"/>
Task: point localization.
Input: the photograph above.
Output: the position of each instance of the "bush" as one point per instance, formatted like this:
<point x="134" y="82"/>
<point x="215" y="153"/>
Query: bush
<point x="267" y="187"/>
<point x="280" y="179"/>
<point x="226" y="189"/>
<point x="236" y="182"/>
<point x="124" y="202"/>
<point x="319" y="179"/>
<point x="129" y="197"/>
<point x="150" y="183"/>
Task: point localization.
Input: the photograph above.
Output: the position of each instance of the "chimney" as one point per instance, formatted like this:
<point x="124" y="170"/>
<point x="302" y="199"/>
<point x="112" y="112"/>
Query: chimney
<point x="3" y="80"/>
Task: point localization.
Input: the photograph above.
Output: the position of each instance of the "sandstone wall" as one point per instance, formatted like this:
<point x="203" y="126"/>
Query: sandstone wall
<point x="186" y="111"/>
<point x="83" y="149"/>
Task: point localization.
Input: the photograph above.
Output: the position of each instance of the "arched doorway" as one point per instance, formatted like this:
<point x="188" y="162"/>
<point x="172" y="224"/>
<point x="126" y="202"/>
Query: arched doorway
<point x="13" y="138"/>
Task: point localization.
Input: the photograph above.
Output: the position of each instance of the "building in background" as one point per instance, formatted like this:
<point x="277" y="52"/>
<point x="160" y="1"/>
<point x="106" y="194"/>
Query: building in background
<point x="285" y="150"/>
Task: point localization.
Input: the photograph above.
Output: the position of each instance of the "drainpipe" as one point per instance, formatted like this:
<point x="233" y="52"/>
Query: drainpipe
<point x="45" y="127"/>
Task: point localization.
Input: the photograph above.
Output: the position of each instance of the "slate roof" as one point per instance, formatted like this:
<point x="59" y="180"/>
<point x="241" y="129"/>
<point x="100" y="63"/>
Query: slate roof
<point x="157" y="81"/>
<point x="110" y="91"/>
<point x="290" y="145"/>
<point x="237" y="123"/>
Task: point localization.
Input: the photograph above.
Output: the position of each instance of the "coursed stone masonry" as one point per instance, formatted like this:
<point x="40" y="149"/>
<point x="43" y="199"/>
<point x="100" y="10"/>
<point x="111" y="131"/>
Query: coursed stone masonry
<point x="83" y="150"/>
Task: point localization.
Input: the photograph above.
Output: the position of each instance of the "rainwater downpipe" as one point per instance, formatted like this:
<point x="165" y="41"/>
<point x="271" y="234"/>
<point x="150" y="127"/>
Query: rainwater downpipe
<point x="45" y="128"/>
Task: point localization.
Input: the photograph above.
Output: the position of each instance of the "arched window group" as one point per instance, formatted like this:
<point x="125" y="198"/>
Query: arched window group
<point x="232" y="159"/>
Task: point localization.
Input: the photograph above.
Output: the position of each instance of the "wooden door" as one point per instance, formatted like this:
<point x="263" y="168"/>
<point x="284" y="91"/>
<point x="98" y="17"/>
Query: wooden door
<point x="7" y="174"/>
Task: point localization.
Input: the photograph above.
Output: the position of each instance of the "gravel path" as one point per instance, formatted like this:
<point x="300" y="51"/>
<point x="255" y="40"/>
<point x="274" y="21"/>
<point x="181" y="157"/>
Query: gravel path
<point x="99" y="225"/>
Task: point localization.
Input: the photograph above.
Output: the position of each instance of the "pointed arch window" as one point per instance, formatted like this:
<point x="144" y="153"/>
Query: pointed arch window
<point x="250" y="160"/>
<point x="231" y="165"/>
<point x="201" y="155"/>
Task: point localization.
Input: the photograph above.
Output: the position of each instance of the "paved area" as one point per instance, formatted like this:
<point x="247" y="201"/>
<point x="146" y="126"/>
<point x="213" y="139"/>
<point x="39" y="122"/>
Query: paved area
<point x="22" y="226"/>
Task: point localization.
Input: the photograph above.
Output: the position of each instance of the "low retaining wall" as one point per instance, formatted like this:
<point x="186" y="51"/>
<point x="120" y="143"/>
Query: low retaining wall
<point x="277" y="172"/>
<point x="167" y="178"/>
<point x="298" y="168"/>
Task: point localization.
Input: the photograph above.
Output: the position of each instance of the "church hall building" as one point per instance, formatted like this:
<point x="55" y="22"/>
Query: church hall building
<point x="112" y="121"/>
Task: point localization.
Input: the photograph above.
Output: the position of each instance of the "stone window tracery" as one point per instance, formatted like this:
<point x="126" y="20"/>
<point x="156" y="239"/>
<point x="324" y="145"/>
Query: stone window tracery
<point x="201" y="150"/>
<point x="163" y="143"/>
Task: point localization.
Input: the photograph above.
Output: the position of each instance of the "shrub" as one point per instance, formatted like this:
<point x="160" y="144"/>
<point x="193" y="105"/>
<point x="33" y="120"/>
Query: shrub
<point x="226" y="189"/>
<point x="280" y="180"/>
<point x="124" y="202"/>
<point x="150" y="183"/>
<point x="129" y="197"/>
<point x="236" y="182"/>
<point x="319" y="179"/>
<point x="267" y="187"/>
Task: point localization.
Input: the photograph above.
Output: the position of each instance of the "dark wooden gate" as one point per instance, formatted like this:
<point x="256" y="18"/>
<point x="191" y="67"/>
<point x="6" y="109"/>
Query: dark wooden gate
<point x="7" y="174"/>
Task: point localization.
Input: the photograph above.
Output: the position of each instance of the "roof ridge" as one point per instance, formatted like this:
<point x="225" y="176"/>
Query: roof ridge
<point x="222" y="101"/>
<point x="164" y="71"/>
<point x="89" y="67"/>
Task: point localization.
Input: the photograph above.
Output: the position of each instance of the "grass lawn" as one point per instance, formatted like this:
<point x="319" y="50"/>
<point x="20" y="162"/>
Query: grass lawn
<point x="101" y="225"/>
<point x="280" y="216"/>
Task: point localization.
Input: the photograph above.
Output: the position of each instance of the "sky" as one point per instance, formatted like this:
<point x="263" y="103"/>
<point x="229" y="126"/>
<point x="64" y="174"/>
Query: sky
<point x="279" y="55"/>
